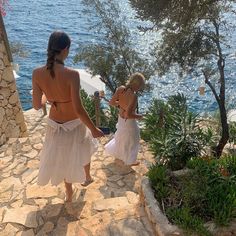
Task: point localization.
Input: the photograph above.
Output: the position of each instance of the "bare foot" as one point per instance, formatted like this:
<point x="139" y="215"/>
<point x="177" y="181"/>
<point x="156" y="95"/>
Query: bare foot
<point x="135" y="163"/>
<point x="119" y="162"/>
<point x="69" y="195"/>
<point x="87" y="182"/>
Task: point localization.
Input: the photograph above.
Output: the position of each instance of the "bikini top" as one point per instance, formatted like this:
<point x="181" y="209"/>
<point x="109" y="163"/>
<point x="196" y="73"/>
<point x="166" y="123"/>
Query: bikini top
<point x="54" y="103"/>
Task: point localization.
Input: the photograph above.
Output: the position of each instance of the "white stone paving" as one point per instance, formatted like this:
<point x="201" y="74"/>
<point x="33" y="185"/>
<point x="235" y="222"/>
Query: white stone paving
<point x="108" y="207"/>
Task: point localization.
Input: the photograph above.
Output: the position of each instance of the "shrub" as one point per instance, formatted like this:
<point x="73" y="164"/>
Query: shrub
<point x="232" y="132"/>
<point x="173" y="132"/>
<point x="108" y="117"/>
<point x="206" y="193"/>
<point x="159" y="180"/>
<point x="89" y="104"/>
<point x="189" y="222"/>
<point x="219" y="187"/>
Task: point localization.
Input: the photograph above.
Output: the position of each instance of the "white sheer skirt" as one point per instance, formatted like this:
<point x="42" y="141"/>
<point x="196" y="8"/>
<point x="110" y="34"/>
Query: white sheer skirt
<point x="68" y="147"/>
<point x="125" y="144"/>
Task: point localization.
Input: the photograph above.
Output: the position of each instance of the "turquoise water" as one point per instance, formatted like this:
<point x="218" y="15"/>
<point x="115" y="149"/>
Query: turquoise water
<point x="31" y="22"/>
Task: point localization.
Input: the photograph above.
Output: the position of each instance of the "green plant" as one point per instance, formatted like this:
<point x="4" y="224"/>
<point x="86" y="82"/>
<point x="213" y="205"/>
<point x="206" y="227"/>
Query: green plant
<point x="193" y="40"/>
<point x="88" y="103"/>
<point x="208" y="136"/>
<point x="206" y="193"/>
<point x="219" y="187"/>
<point x="229" y="162"/>
<point x="155" y="119"/>
<point x="108" y="117"/>
<point x="189" y="222"/>
<point x="113" y="57"/>
<point x="232" y="132"/>
<point x="173" y="132"/>
<point x="159" y="179"/>
<point x="222" y="199"/>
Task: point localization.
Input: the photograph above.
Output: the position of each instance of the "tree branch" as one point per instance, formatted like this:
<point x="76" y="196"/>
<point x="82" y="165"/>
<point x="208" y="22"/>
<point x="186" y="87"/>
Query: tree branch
<point x="207" y="81"/>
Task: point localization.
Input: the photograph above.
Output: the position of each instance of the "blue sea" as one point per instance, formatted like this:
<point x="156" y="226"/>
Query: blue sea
<point x="31" y="22"/>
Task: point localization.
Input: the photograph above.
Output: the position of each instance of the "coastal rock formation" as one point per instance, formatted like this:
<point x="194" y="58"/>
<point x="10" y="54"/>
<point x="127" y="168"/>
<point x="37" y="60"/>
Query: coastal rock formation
<point x="12" y="123"/>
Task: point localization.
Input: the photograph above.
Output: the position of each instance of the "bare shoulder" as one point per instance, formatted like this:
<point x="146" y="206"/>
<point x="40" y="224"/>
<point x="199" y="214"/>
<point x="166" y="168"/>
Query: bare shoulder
<point x="72" y="75"/>
<point x="72" y="72"/>
<point x="38" y="71"/>
<point x="120" y="89"/>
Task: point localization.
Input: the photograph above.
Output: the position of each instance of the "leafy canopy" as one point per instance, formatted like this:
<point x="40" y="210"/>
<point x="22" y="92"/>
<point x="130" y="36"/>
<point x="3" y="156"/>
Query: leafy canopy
<point x="190" y="31"/>
<point x="113" y="57"/>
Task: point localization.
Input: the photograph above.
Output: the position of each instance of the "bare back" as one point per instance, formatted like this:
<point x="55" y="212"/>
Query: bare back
<point x="126" y="99"/>
<point x="57" y="91"/>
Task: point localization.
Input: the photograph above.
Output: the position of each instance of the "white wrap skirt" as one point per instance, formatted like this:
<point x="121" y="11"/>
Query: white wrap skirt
<point x="68" y="147"/>
<point x="125" y="144"/>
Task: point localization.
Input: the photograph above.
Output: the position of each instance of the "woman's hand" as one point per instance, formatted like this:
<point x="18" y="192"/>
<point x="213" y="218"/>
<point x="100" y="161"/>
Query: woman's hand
<point x="139" y="116"/>
<point x="97" y="133"/>
<point x="44" y="99"/>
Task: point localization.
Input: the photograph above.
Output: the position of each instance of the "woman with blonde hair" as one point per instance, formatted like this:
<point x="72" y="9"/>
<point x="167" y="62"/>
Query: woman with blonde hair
<point x="125" y="144"/>
<point x="69" y="142"/>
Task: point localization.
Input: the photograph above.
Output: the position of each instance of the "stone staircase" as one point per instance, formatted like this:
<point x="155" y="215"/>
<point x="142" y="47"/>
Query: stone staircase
<point x="108" y="207"/>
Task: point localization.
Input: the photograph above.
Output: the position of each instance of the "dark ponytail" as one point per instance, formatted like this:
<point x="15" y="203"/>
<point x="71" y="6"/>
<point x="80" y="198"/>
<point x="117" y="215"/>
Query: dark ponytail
<point x="50" y="62"/>
<point x="57" y="42"/>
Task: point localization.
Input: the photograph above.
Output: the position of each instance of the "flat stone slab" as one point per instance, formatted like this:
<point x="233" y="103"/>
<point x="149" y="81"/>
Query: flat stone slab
<point x="9" y="182"/>
<point x="130" y="227"/>
<point x="25" y="215"/>
<point x="35" y="191"/>
<point x="111" y="204"/>
<point x="29" y="232"/>
<point x="51" y="210"/>
<point x="9" y="230"/>
<point x="107" y="207"/>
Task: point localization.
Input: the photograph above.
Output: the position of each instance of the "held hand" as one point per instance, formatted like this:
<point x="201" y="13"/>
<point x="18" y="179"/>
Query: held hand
<point x="44" y="99"/>
<point x="139" y="117"/>
<point x="97" y="133"/>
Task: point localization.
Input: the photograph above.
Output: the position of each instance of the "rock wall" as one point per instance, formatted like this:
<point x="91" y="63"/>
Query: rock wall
<point x="12" y="123"/>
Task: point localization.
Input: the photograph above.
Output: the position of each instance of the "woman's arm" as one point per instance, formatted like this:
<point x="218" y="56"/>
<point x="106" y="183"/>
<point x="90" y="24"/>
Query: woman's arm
<point x="130" y="113"/>
<point x="79" y="108"/>
<point x="39" y="98"/>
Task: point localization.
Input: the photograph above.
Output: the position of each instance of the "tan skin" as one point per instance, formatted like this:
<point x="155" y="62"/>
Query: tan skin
<point x="126" y="99"/>
<point x="64" y="89"/>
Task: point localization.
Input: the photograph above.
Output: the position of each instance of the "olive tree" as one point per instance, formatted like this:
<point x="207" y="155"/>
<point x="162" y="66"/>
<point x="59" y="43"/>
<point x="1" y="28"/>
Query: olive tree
<point x="194" y="39"/>
<point x="113" y="56"/>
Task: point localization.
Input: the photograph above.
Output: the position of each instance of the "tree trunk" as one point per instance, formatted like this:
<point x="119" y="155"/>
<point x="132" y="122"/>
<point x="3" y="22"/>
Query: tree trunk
<point x="223" y="115"/>
<point x="225" y="131"/>
<point x="221" y="101"/>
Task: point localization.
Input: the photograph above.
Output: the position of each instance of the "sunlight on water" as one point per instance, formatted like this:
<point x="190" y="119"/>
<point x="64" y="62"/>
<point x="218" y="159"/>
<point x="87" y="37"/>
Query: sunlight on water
<point x="31" y="23"/>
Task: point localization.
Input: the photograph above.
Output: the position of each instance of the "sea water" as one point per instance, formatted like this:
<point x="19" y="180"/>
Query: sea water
<point x="30" y="22"/>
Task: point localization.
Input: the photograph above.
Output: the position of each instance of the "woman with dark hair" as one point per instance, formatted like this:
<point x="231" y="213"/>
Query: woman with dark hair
<point x="70" y="137"/>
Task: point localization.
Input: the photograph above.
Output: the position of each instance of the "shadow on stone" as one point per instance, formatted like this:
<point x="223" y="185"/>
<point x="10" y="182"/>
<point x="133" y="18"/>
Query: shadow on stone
<point x="56" y="219"/>
<point x="122" y="180"/>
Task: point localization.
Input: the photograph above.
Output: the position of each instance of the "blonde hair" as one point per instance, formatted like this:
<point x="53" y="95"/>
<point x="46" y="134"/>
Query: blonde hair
<point x="136" y="78"/>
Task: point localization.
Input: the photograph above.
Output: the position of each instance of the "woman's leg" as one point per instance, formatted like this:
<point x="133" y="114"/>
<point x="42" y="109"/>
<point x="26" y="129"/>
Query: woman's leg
<point x="87" y="172"/>
<point x="89" y="179"/>
<point x="69" y="191"/>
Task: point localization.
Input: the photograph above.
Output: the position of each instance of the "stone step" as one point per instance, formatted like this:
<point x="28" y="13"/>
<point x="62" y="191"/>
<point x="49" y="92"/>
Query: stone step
<point x="107" y="207"/>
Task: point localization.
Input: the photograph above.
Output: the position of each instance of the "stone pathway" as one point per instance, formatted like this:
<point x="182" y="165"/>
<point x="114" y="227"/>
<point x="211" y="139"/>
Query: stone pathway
<point x="108" y="207"/>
